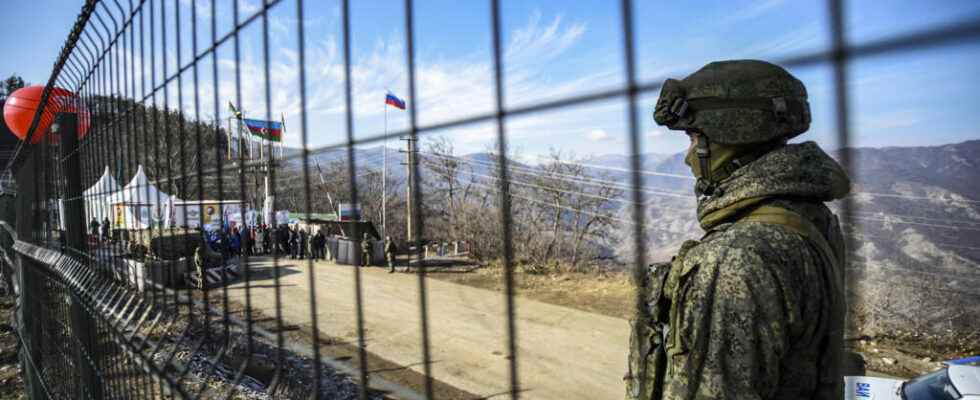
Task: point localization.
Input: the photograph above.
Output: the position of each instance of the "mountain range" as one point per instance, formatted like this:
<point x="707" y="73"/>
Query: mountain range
<point x="912" y="205"/>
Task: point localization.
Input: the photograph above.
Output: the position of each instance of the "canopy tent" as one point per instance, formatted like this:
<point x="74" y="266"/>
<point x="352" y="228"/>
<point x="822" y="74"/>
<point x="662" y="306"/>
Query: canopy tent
<point x="96" y="200"/>
<point x="138" y="204"/>
<point x="97" y="197"/>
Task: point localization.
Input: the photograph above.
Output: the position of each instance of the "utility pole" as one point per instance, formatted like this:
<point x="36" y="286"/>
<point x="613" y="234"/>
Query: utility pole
<point x="410" y="151"/>
<point x="384" y="180"/>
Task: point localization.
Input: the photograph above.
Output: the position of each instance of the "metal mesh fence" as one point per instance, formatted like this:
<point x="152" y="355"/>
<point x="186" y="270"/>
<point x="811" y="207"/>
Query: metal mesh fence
<point x="100" y="319"/>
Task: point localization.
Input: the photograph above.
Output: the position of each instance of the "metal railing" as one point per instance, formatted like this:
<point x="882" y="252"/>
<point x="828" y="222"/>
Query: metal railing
<point x="87" y="329"/>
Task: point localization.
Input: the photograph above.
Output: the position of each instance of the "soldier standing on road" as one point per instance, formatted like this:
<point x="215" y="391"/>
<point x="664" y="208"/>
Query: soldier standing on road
<point x="366" y="250"/>
<point x="303" y="242"/>
<point x="199" y="257"/>
<point x="390" y="250"/>
<point x="755" y="309"/>
<point x="293" y="243"/>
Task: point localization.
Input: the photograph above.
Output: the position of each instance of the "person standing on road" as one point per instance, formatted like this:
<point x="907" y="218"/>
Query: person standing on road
<point x="366" y="250"/>
<point x="267" y="241"/>
<point x="390" y="251"/>
<point x="259" y="232"/>
<point x="93" y="227"/>
<point x="755" y="308"/>
<point x="293" y="243"/>
<point x="105" y="229"/>
<point x="235" y="242"/>
<point x="284" y="237"/>
<point x="317" y="243"/>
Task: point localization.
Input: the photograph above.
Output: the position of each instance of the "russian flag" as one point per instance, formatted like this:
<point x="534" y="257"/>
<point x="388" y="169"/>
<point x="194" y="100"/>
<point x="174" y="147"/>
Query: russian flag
<point x="390" y="99"/>
<point x="268" y="130"/>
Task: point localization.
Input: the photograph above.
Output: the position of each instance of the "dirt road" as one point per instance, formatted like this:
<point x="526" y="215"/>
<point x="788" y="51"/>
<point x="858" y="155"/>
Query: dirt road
<point x="562" y="353"/>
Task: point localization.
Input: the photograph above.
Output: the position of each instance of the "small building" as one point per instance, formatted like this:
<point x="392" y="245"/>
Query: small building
<point x="344" y="239"/>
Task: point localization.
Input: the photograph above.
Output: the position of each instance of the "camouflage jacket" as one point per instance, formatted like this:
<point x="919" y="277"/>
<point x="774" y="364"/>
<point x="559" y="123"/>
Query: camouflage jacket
<point x="756" y="309"/>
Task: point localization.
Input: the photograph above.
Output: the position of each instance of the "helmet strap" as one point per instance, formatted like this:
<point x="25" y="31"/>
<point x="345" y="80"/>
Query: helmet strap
<point x="705" y="186"/>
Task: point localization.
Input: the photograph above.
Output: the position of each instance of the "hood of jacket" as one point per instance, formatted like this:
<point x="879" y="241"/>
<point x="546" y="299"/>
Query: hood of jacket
<point x="800" y="170"/>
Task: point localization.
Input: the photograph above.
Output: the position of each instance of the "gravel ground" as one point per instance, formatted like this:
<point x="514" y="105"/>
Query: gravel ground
<point x="217" y="376"/>
<point x="216" y="367"/>
<point x="11" y="382"/>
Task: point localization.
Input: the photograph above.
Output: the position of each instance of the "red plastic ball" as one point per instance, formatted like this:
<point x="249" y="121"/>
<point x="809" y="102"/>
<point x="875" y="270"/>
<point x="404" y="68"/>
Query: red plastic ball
<point x="22" y="104"/>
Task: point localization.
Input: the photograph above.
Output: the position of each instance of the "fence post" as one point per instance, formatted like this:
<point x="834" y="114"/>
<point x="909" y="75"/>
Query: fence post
<point x="83" y="326"/>
<point x="28" y="323"/>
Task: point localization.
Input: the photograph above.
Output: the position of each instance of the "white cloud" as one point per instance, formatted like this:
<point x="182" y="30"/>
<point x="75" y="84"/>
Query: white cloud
<point x="448" y="86"/>
<point x="658" y="132"/>
<point x="894" y="120"/>
<point x="598" y="135"/>
<point x="804" y="37"/>
<point x="752" y="11"/>
<point x="248" y="7"/>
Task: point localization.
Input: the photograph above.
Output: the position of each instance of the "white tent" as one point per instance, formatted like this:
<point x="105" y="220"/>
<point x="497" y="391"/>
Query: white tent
<point x="96" y="200"/>
<point x="138" y="204"/>
<point x="97" y="196"/>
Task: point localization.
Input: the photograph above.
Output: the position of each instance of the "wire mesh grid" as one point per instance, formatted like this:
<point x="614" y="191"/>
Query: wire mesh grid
<point x="108" y="326"/>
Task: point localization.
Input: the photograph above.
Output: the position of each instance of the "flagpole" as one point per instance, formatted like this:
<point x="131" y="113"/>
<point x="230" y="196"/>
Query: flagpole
<point x="241" y="144"/>
<point x="282" y="132"/>
<point x="248" y="139"/>
<point x="384" y="179"/>
<point x="229" y="138"/>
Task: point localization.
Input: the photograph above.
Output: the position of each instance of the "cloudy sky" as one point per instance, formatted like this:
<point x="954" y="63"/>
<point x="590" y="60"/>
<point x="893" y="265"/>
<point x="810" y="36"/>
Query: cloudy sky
<point x="552" y="49"/>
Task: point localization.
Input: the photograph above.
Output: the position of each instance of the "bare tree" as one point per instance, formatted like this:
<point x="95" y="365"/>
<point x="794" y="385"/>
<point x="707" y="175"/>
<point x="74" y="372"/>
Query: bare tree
<point x="447" y="186"/>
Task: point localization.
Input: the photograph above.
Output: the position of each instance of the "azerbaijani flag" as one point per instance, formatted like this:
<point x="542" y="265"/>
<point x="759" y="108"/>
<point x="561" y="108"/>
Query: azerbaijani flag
<point x="268" y="130"/>
<point x="390" y="99"/>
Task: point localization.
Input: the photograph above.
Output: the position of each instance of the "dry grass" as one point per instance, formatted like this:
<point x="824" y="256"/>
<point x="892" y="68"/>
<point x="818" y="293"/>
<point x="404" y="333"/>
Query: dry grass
<point x="601" y="292"/>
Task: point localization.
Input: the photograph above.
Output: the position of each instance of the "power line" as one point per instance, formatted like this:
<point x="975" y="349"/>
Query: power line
<point x="868" y="235"/>
<point x="580" y="179"/>
<point x="521" y="183"/>
<point x="642" y="171"/>
<point x="946" y="288"/>
<point x="910" y="197"/>
<point x="952" y="221"/>
<point x="497" y="190"/>
<point x="973" y="279"/>
<point x="552" y="189"/>
<point x="918" y="223"/>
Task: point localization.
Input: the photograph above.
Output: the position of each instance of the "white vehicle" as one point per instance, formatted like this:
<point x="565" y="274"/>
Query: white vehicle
<point x="959" y="380"/>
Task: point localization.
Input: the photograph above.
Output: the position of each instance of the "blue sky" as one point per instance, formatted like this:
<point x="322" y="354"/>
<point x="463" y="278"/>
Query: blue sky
<point x="552" y="49"/>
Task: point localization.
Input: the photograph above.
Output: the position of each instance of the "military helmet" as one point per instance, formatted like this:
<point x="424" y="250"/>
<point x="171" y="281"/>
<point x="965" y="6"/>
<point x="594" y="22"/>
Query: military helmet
<point x="736" y="102"/>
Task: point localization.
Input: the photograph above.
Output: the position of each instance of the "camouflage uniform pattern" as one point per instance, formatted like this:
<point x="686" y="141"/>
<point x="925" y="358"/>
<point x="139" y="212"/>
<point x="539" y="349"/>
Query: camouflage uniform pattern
<point x="737" y="80"/>
<point x="199" y="264"/>
<point x="755" y="311"/>
<point x="366" y="250"/>
<point x="390" y="254"/>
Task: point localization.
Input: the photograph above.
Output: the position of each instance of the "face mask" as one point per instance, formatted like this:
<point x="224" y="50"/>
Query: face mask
<point x="720" y="155"/>
<point x="691" y="159"/>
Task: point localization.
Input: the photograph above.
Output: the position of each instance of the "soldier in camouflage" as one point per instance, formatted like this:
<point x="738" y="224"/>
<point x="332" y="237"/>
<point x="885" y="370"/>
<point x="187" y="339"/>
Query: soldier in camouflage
<point x="200" y="259"/>
<point x="755" y="308"/>
<point x="366" y="250"/>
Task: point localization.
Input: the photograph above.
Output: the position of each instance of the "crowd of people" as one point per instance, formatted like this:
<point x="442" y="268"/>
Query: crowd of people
<point x="100" y="231"/>
<point x="296" y="242"/>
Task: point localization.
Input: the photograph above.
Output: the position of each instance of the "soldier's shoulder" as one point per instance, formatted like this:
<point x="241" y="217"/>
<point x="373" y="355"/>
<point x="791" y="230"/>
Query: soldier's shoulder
<point x="744" y="248"/>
